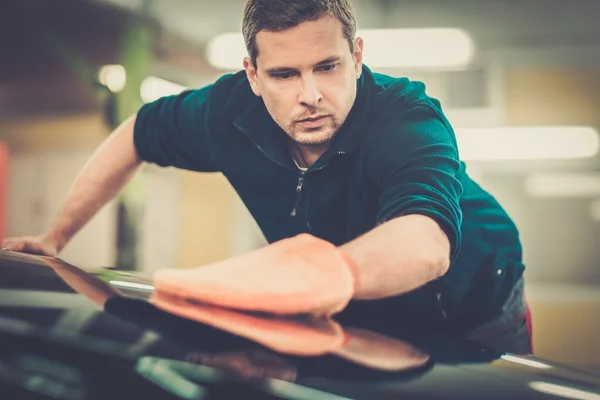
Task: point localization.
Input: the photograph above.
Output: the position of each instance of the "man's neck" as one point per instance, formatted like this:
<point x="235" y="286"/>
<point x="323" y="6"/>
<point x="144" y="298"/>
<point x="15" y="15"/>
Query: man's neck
<point x="305" y="156"/>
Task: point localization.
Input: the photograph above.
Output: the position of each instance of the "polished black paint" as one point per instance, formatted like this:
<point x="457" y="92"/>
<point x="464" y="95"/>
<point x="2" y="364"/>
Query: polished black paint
<point x="131" y="349"/>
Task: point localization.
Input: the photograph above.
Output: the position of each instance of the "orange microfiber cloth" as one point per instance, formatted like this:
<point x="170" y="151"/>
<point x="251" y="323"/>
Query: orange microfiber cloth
<point x="298" y="336"/>
<point x="299" y="275"/>
<point x="306" y="337"/>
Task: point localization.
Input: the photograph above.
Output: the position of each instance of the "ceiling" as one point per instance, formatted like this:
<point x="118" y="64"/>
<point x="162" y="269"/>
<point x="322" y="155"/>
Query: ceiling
<point x="491" y="22"/>
<point x="36" y="74"/>
<point x="53" y="50"/>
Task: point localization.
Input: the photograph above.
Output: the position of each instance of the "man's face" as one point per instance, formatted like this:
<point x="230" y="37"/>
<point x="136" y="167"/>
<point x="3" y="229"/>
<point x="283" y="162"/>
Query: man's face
<point x="306" y="76"/>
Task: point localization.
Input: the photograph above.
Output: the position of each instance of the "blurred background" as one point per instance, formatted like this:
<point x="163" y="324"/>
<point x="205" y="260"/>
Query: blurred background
<point x="518" y="79"/>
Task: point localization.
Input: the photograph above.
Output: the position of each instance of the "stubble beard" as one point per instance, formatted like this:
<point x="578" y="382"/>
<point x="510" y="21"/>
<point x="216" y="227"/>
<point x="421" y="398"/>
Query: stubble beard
<point x="313" y="136"/>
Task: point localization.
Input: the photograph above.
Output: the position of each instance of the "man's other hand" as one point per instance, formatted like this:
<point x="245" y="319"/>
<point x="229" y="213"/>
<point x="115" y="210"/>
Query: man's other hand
<point x="39" y="245"/>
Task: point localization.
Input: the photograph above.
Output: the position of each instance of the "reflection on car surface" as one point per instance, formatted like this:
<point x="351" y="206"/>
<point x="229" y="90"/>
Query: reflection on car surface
<point x="70" y="334"/>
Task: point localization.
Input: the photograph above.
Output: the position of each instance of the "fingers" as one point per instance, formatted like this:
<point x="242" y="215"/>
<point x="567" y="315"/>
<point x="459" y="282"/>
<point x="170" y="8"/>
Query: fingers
<point x="13" y="245"/>
<point x="26" y="245"/>
<point x="6" y="244"/>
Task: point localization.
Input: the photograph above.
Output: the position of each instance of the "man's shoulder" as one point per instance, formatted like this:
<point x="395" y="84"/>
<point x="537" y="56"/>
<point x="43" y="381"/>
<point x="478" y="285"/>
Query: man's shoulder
<point x="395" y="95"/>
<point x="402" y="112"/>
<point x="231" y="94"/>
<point x="231" y="84"/>
<point x="227" y="97"/>
<point x="400" y="87"/>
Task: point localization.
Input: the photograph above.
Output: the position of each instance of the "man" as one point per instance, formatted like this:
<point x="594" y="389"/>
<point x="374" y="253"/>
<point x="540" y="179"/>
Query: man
<point x="314" y="142"/>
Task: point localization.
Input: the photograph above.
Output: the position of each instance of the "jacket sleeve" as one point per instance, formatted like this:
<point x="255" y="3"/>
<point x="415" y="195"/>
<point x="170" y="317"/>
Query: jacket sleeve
<point x="414" y="160"/>
<point x="173" y="131"/>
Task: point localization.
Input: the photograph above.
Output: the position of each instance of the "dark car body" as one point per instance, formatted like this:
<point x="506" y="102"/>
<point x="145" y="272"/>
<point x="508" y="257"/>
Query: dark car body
<point x="56" y="343"/>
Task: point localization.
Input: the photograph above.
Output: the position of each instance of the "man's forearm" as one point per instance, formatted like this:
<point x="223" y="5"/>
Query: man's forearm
<point x="109" y="169"/>
<point x="399" y="256"/>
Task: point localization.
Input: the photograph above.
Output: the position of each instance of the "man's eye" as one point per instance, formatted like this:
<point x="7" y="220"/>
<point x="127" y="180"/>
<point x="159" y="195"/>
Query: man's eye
<point x="326" y="68"/>
<point x="285" y="75"/>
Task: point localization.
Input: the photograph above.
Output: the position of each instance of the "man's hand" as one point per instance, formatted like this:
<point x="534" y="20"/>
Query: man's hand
<point x="40" y="245"/>
<point x="298" y="275"/>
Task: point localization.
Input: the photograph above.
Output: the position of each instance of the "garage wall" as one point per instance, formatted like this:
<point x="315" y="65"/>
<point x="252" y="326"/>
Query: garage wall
<point x="559" y="236"/>
<point x="205" y="215"/>
<point x="46" y="156"/>
<point x="553" y="96"/>
<point x="41" y="133"/>
<point x="560" y="239"/>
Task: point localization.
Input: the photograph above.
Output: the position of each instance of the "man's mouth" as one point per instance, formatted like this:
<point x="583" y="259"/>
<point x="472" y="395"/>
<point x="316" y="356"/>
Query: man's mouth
<point x="313" y="119"/>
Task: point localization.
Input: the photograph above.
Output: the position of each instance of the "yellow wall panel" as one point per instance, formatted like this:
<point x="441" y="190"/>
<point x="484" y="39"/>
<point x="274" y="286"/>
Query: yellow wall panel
<point x="54" y="132"/>
<point x="552" y="96"/>
<point x="205" y="219"/>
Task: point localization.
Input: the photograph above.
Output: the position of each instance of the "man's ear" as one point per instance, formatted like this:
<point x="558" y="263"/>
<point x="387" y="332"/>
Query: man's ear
<point x="251" y="74"/>
<point x="358" y="53"/>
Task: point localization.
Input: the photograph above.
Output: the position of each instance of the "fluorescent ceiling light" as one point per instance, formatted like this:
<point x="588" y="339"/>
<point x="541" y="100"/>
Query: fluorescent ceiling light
<point x="384" y="48"/>
<point x="563" y="391"/>
<point x="227" y="51"/>
<point x="568" y="185"/>
<point x="154" y="88"/>
<point x="113" y="77"/>
<point x="417" y="48"/>
<point x="526" y="362"/>
<point x="527" y="143"/>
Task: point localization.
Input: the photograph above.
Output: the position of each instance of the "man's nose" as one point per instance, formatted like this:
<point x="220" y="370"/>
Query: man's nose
<point x="310" y="96"/>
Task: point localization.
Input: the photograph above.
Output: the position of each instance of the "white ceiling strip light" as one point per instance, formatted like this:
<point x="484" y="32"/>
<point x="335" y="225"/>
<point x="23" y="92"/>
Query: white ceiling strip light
<point x="567" y="185"/>
<point x="424" y="48"/>
<point x="527" y="143"/>
<point x="154" y="88"/>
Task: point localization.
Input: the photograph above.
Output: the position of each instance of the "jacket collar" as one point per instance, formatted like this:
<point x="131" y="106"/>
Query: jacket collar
<point x="256" y="122"/>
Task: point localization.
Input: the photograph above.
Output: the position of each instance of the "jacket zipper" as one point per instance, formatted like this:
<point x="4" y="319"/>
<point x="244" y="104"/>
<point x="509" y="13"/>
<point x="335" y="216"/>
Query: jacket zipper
<point x="440" y="305"/>
<point x="299" y="187"/>
<point x="300" y="183"/>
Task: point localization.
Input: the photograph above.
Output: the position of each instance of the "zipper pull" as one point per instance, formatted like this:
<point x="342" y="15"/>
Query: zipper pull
<point x="438" y="296"/>
<point x="299" y="192"/>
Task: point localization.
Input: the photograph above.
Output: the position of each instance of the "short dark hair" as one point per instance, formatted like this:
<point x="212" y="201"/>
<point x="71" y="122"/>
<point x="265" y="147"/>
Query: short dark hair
<point x="279" y="15"/>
